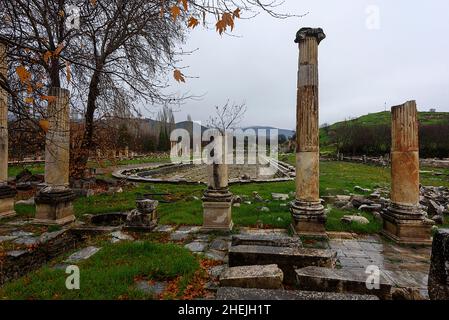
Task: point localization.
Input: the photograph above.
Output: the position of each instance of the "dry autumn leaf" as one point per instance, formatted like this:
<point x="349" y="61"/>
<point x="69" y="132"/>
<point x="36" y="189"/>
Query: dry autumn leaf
<point x="178" y="76"/>
<point x="44" y="124"/>
<point x="23" y="74"/>
<point x="220" y="26"/>
<point x="175" y="12"/>
<point x="50" y="99"/>
<point x="236" y="13"/>
<point x="29" y="100"/>
<point x="93" y="2"/>
<point x="228" y="19"/>
<point x="193" y="22"/>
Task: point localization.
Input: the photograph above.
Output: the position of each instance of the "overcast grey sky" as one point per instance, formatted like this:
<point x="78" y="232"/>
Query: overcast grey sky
<point x="361" y="68"/>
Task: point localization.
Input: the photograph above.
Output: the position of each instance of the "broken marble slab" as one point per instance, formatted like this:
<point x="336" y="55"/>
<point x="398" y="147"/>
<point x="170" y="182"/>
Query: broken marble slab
<point x="83" y="254"/>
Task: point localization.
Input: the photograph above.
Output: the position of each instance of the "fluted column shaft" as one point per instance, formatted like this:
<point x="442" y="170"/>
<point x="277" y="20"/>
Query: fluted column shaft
<point x="307" y="210"/>
<point x="404" y="221"/>
<point x="405" y="155"/>
<point x="57" y="145"/>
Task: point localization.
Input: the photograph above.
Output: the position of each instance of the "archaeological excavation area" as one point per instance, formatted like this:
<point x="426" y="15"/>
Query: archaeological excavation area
<point x="320" y="228"/>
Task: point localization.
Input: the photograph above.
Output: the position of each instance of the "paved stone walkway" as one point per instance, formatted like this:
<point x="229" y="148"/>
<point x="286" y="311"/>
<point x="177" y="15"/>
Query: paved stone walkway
<point x="403" y="266"/>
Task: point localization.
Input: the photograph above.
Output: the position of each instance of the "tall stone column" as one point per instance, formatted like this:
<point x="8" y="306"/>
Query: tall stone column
<point x="54" y="201"/>
<point x="404" y="221"/>
<point x="217" y="199"/>
<point x="7" y="193"/>
<point x="307" y="211"/>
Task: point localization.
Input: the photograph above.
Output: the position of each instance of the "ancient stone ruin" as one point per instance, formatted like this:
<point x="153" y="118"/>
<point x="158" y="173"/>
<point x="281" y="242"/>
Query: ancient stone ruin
<point x="7" y="193"/>
<point x="217" y="199"/>
<point x="54" y="200"/>
<point x="404" y="220"/>
<point x="307" y="211"/>
<point x="144" y="218"/>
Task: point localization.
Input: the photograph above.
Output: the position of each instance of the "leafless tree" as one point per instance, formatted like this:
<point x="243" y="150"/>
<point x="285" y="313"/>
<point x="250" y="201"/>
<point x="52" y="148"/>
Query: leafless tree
<point x="117" y="58"/>
<point x="227" y="117"/>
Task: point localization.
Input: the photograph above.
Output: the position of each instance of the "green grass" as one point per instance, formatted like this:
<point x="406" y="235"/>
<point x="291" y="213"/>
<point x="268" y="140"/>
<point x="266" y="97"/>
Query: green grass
<point x="109" y="274"/>
<point x="34" y="168"/>
<point x="334" y="224"/>
<point x="336" y="178"/>
<point x="180" y="208"/>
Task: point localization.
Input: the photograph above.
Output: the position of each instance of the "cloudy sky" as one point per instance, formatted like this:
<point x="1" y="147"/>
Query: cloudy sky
<point x="377" y="53"/>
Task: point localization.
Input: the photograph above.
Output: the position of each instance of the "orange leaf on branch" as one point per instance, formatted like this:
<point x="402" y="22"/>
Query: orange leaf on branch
<point x="50" y="99"/>
<point x="220" y="26"/>
<point x="178" y="76"/>
<point x="236" y="13"/>
<point x="175" y="12"/>
<point x="44" y="124"/>
<point x="228" y="19"/>
<point x="23" y="74"/>
<point x="29" y="100"/>
<point x="193" y="22"/>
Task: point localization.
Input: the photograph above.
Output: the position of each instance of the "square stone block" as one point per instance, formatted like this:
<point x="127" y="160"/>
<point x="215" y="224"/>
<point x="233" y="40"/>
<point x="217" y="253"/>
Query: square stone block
<point x="409" y="232"/>
<point x="217" y="216"/>
<point x="54" y="214"/>
<point x="7" y="208"/>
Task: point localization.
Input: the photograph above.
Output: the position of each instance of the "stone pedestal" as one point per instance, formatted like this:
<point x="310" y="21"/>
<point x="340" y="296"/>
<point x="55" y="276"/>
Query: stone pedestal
<point x="217" y="200"/>
<point x="404" y="221"/>
<point x="7" y="194"/>
<point x="307" y="211"/>
<point x="54" y="206"/>
<point x="54" y="202"/>
<point x="144" y="218"/>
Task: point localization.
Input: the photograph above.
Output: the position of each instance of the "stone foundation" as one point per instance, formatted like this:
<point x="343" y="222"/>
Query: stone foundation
<point x="410" y="232"/>
<point x="217" y="216"/>
<point x="54" y="206"/>
<point x="309" y="219"/>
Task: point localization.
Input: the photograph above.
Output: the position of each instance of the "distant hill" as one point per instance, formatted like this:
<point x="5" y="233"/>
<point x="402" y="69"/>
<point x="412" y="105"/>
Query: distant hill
<point x="286" y="132"/>
<point x="370" y="134"/>
<point x="384" y="117"/>
<point x="188" y="125"/>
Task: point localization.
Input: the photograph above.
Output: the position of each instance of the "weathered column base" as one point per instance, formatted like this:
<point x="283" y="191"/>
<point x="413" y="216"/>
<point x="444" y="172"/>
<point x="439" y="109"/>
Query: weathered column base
<point x="309" y="218"/>
<point x="407" y="225"/>
<point x="7" y="199"/>
<point x="54" y="206"/>
<point x="217" y="216"/>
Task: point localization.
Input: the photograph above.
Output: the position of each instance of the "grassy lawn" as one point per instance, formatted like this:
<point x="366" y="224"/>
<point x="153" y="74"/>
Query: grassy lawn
<point x="34" y="168"/>
<point x="182" y="203"/>
<point x="110" y="273"/>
